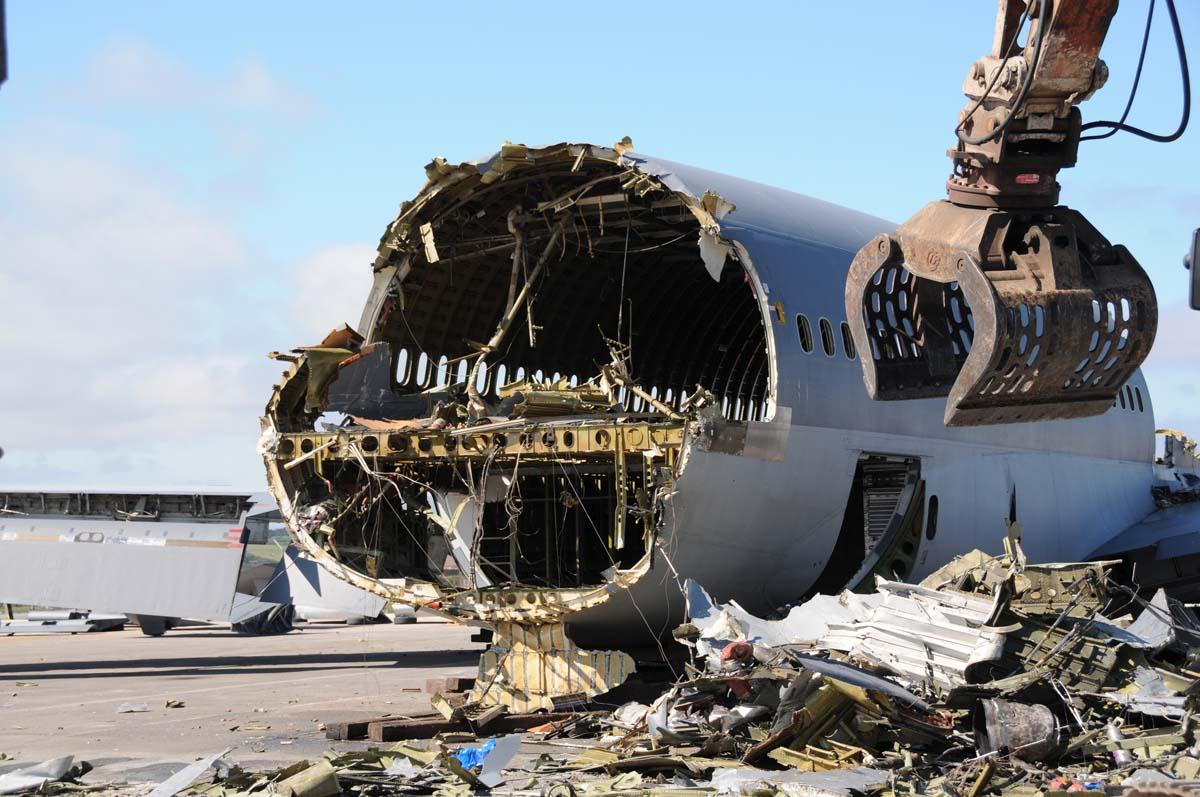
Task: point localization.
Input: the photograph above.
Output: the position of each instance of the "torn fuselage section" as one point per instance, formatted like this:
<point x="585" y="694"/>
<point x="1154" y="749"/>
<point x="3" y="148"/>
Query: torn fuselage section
<point x="549" y="334"/>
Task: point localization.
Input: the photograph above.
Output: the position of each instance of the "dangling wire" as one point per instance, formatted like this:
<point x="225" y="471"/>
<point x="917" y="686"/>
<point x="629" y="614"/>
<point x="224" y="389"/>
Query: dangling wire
<point x="1187" y="91"/>
<point x="1137" y="78"/>
<point x="624" y="261"/>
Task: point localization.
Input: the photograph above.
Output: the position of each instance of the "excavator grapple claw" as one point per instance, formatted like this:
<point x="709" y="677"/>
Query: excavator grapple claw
<point x="1014" y="315"/>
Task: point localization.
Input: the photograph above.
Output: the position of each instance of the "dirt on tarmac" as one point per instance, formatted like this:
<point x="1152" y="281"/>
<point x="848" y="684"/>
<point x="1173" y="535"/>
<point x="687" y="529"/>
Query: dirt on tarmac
<point x="265" y="697"/>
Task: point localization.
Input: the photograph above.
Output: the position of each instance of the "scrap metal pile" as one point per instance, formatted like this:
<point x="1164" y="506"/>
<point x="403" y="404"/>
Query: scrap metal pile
<point x="993" y="676"/>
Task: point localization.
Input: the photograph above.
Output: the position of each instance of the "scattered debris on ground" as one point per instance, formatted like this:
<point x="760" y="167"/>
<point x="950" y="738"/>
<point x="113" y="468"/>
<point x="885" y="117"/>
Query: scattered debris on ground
<point x="992" y="676"/>
<point x="44" y="777"/>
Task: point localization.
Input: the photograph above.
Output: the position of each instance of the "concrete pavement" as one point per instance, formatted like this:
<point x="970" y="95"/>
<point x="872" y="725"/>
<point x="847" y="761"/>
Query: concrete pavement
<point x="265" y="697"/>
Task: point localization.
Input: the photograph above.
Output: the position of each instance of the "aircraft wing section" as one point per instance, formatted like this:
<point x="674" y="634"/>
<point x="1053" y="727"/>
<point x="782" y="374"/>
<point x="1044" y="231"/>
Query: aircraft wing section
<point x="166" y="568"/>
<point x="1172" y="532"/>
<point x="304" y="583"/>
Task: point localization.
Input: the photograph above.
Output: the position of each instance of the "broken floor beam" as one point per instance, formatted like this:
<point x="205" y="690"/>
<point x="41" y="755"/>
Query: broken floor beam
<point x="529" y="439"/>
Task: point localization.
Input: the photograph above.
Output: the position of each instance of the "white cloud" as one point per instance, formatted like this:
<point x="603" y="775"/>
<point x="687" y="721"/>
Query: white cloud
<point x="1173" y="370"/>
<point x="331" y="288"/>
<point x="133" y="342"/>
<point x="135" y="318"/>
<point x="112" y="287"/>
<point x="134" y="72"/>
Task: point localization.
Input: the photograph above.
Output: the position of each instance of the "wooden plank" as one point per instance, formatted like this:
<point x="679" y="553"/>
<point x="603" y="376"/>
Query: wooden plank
<point x="448" y="684"/>
<point x="348" y="730"/>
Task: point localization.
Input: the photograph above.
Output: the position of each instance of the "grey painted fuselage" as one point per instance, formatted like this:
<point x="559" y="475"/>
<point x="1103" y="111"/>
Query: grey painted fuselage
<point x="761" y="528"/>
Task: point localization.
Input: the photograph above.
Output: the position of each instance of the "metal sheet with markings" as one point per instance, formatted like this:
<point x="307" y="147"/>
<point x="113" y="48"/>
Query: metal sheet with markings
<point x="169" y="568"/>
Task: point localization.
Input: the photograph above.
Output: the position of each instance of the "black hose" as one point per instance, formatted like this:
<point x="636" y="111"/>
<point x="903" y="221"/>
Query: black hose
<point x="1137" y="78"/>
<point x="1043" y="23"/>
<point x="1000" y="71"/>
<point x="1187" y="95"/>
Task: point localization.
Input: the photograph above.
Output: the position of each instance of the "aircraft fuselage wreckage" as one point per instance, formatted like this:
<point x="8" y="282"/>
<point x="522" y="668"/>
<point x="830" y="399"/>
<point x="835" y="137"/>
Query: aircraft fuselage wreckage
<point x="584" y="375"/>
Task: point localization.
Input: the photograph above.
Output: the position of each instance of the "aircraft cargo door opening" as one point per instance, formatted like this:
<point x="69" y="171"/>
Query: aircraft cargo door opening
<point x="882" y="525"/>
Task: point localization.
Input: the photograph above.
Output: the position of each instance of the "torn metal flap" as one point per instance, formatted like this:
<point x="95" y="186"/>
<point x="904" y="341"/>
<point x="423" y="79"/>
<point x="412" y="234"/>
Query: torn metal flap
<point x="857" y="676"/>
<point x="502" y="753"/>
<point x="1163" y="621"/>
<point x="431" y="252"/>
<point x="720" y="624"/>
<point x="713" y="252"/>
<point x="35" y="776"/>
<point x="186" y="776"/>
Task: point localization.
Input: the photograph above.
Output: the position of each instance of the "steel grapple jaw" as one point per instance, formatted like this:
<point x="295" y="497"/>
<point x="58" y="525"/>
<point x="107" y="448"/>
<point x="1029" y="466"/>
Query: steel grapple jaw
<point x="1014" y="315"/>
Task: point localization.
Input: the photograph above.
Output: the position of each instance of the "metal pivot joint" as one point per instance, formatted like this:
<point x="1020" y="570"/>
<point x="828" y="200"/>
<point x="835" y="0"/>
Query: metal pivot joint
<point x="1012" y="306"/>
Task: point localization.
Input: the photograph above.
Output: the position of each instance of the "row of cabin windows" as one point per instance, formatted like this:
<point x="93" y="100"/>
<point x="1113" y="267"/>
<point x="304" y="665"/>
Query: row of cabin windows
<point x="1130" y="399"/>
<point x="424" y="372"/>
<point x="828" y="342"/>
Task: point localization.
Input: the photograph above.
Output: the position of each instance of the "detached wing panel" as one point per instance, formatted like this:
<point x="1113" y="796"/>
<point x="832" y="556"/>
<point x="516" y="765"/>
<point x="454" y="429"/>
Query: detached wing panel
<point x="173" y="569"/>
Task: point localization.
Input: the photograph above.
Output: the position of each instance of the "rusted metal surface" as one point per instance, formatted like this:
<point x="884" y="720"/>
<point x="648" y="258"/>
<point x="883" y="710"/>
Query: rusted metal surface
<point x="1015" y="317"/>
<point x="1012" y="306"/>
<point x="1029" y="732"/>
<point x="1041" y="134"/>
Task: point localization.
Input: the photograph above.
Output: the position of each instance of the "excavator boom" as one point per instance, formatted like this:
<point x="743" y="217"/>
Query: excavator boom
<point x="1008" y="303"/>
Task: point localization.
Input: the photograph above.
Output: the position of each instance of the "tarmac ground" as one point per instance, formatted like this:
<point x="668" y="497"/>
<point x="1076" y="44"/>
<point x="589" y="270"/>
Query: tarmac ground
<point x="265" y="697"/>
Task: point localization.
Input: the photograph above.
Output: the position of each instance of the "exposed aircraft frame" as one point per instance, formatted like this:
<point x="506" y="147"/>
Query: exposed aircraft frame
<point x="507" y="488"/>
<point x="557" y="418"/>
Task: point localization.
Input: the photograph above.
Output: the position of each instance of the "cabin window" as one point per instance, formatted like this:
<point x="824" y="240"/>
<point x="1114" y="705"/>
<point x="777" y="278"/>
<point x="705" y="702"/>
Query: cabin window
<point x="422" y="375"/>
<point x="806" y="338"/>
<point x="1121" y="398"/>
<point x="403" y="366"/>
<point x="848" y="342"/>
<point x="1137" y="391"/>
<point x="1129" y="396"/>
<point x="827" y="337"/>
<point x="931" y="521"/>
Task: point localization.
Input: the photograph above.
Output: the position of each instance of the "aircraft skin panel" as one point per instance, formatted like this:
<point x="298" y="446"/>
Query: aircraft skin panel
<point x="804" y="266"/>
<point x="162" y="568"/>
<point x="762" y="531"/>
<point x="755" y="513"/>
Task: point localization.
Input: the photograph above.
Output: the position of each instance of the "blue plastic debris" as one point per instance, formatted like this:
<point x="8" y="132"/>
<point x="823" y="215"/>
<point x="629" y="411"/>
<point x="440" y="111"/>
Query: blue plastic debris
<point x="471" y="757"/>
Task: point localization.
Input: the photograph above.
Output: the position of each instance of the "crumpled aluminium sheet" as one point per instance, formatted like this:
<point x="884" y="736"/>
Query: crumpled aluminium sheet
<point x="918" y="633"/>
<point x="34" y="776"/>
<point x="909" y="629"/>
<point x="719" y="624"/>
<point x="1152" y="698"/>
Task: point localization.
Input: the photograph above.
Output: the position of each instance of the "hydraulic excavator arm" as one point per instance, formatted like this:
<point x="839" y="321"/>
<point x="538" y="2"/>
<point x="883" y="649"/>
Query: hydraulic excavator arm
<point x="1013" y="306"/>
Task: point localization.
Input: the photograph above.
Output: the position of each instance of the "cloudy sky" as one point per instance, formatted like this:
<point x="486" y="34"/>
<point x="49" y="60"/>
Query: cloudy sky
<point x="185" y="188"/>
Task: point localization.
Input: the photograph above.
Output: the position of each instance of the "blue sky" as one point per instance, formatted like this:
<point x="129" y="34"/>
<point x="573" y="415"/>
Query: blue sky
<point x="186" y="187"/>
